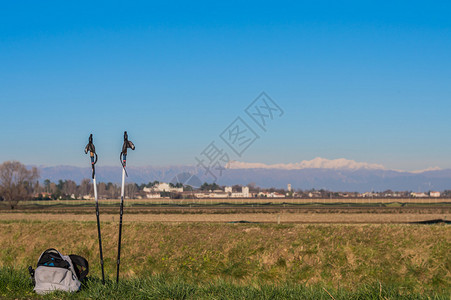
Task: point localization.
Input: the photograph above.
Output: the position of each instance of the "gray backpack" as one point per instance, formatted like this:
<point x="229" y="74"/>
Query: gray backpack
<point x="57" y="272"/>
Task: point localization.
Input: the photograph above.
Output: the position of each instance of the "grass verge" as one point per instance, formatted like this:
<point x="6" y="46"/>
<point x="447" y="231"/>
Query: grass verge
<point x="15" y="284"/>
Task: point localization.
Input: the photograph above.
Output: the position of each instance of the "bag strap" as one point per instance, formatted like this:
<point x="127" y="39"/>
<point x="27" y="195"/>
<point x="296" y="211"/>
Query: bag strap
<point x="81" y="266"/>
<point x="31" y="271"/>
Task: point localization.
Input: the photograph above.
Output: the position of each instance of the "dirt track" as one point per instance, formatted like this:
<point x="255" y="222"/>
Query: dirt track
<point x="357" y="218"/>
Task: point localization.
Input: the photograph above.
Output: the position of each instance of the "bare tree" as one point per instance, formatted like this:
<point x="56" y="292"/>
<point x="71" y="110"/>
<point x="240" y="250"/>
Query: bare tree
<point x="53" y="188"/>
<point x="85" y="187"/>
<point x="113" y="190"/>
<point x="70" y="188"/>
<point x="47" y="185"/>
<point x="130" y="190"/>
<point x="101" y="190"/>
<point x="38" y="188"/>
<point x="16" y="182"/>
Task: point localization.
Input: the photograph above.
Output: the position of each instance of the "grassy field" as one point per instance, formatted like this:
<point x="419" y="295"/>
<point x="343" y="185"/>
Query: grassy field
<point x="244" y="260"/>
<point x="15" y="285"/>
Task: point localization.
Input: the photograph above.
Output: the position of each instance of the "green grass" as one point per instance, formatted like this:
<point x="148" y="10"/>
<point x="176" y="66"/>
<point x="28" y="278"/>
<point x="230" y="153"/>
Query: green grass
<point x="15" y="284"/>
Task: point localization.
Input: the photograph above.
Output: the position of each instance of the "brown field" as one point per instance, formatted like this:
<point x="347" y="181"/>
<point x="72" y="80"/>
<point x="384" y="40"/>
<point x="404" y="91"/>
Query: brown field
<point x="307" y="217"/>
<point x="178" y="211"/>
<point x="209" y="201"/>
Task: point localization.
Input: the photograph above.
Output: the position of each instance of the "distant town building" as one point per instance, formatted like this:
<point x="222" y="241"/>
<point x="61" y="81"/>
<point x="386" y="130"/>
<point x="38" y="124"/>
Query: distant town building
<point x="210" y="195"/>
<point x="314" y="194"/>
<point x="230" y="193"/>
<point x="289" y="187"/>
<point x="245" y="191"/>
<point x="270" y="195"/>
<point x="155" y="191"/>
<point x="370" y="194"/>
<point x="418" y="195"/>
<point x="434" y="194"/>
<point x="162" y="187"/>
<point x="153" y="195"/>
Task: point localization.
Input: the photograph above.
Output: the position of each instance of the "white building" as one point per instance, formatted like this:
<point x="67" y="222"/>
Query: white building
<point x="220" y="195"/>
<point x="245" y="191"/>
<point x="153" y="195"/>
<point x="418" y="195"/>
<point x="211" y="195"/>
<point x="163" y="187"/>
<point x="202" y="195"/>
<point x="289" y="187"/>
<point x="270" y="195"/>
<point x="370" y="194"/>
<point x="154" y="192"/>
<point x="434" y="194"/>
<point x="228" y="192"/>
<point x="277" y="195"/>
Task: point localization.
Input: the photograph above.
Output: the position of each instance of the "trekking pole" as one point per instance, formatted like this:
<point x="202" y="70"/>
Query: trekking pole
<point x="123" y="157"/>
<point x="92" y="152"/>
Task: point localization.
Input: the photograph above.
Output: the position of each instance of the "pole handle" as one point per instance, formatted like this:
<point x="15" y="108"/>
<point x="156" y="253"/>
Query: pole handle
<point x="123" y="156"/>
<point x="92" y="153"/>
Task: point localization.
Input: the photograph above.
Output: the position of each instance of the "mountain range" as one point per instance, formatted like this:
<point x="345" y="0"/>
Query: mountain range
<point x="319" y="173"/>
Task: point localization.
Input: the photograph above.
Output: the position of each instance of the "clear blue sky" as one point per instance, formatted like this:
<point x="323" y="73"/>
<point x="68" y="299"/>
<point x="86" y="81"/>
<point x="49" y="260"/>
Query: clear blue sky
<point x="361" y="80"/>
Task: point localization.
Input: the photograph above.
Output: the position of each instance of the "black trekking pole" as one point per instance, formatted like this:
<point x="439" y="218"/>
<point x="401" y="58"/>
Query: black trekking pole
<point x="123" y="157"/>
<point x="92" y="153"/>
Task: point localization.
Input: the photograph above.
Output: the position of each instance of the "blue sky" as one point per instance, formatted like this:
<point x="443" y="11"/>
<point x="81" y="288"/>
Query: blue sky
<point x="359" y="80"/>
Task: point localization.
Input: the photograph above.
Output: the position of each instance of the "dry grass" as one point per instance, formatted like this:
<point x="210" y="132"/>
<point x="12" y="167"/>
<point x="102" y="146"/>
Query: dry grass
<point x="309" y="218"/>
<point x="338" y="255"/>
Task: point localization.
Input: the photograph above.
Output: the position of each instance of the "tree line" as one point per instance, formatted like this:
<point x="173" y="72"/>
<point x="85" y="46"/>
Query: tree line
<point x="69" y="189"/>
<point x="17" y="182"/>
